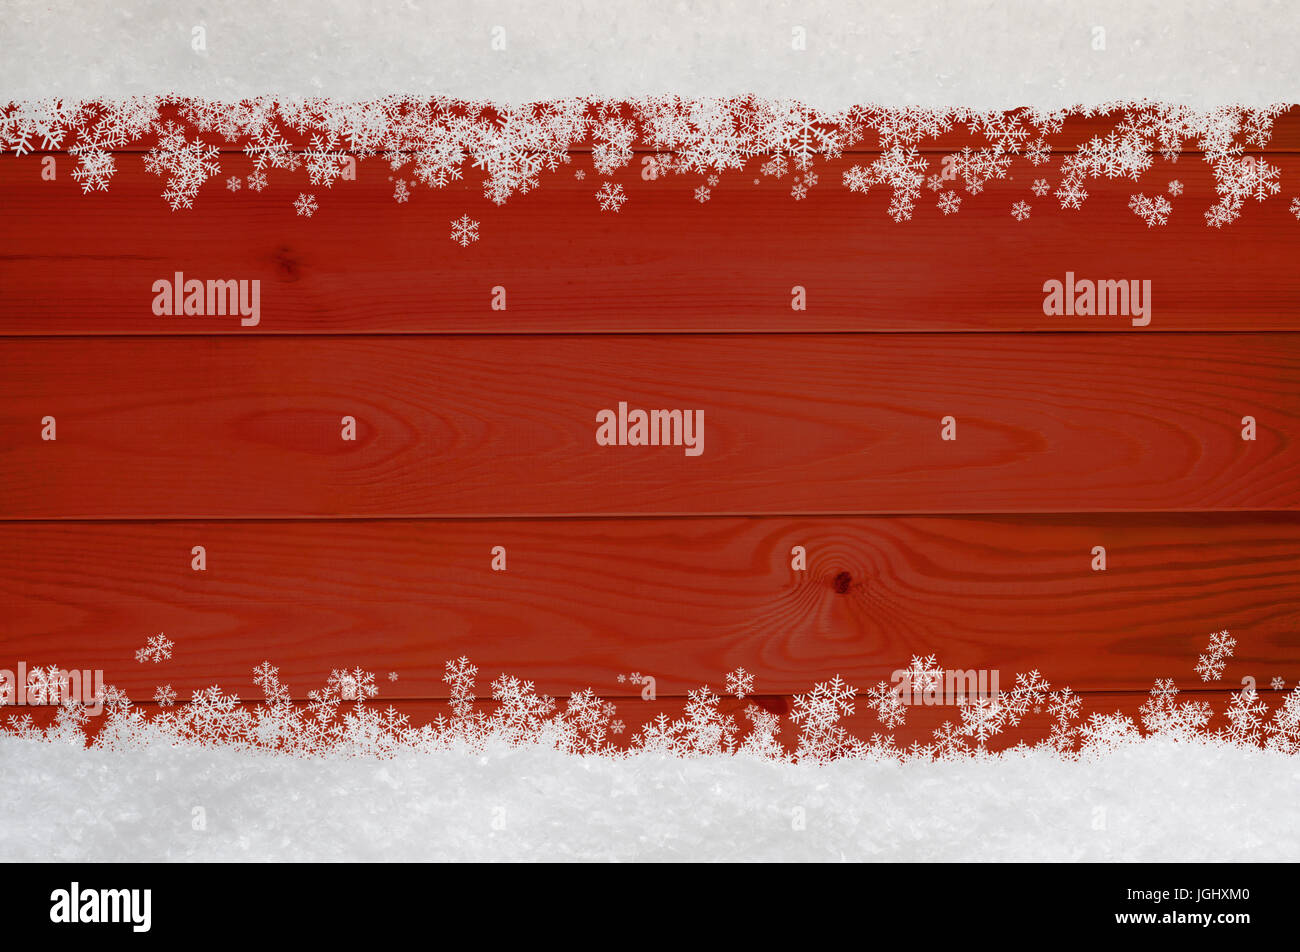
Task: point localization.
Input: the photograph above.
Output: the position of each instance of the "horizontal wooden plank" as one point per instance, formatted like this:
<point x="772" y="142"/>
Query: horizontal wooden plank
<point x="478" y="426"/>
<point x="686" y="600"/>
<point x="86" y="264"/>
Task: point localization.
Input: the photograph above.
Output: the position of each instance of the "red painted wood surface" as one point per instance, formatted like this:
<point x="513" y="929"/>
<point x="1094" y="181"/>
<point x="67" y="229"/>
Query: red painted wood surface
<point x="473" y="426"/>
<point x="686" y="600"/>
<point x="212" y="436"/>
<point x="75" y="264"/>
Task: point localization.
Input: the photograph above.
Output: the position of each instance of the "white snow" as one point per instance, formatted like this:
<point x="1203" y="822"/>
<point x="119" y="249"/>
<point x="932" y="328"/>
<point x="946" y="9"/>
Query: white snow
<point x="979" y="53"/>
<point x="1155" y="800"/>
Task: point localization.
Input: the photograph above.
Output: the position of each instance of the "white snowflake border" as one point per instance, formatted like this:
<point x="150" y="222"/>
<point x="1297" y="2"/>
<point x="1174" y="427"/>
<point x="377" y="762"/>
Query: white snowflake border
<point x="435" y="141"/>
<point x="342" y="718"/>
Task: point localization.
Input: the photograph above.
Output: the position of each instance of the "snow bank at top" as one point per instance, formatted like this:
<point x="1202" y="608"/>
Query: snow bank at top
<point x="989" y="54"/>
<point x="1157" y="800"/>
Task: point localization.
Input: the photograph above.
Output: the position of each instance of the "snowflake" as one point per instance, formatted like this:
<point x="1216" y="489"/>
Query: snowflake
<point x="858" y="179"/>
<point x="949" y="202"/>
<point x="165" y="696"/>
<point x="977" y="166"/>
<point x="982" y="719"/>
<point x="924" y="676"/>
<point x="1038" y="152"/>
<point x="1211" y="664"/>
<point x="460" y="677"/>
<point x="464" y="231"/>
<point x="1245" y="718"/>
<point x="257" y="181"/>
<point x="1040" y="187"/>
<point x="1277" y="684"/>
<point x="268" y="147"/>
<point x="114" y="699"/>
<point x="1295" y="207"/>
<point x="1030" y="690"/>
<point x="579" y="174"/>
<point x="1020" y="211"/>
<point x="184" y="164"/>
<point x="305" y="205"/>
<point x="818" y="712"/>
<point x="392" y="675"/>
<point x="702" y="194"/>
<point x="1175" y="188"/>
<point x="1002" y="129"/>
<point x="610" y="197"/>
<point x="1161" y="714"/>
<point x="1224" y="213"/>
<point x="1116" y="155"/>
<point x="775" y="167"/>
<point x="48" y="685"/>
<point x="799" y="192"/>
<point x="325" y="160"/>
<point x="265" y="675"/>
<point x="1072" y="194"/>
<point x="1106" y="732"/>
<point x="888" y="704"/>
<point x="740" y="683"/>
<point x="401" y="191"/>
<point x="1064" y="705"/>
<point x="1239" y="179"/>
<point x="1209" y="667"/>
<point x="900" y="209"/>
<point x="159" y="648"/>
<point x="1164" y="690"/>
<point x="948" y="741"/>
<point x="1283" y="732"/>
<point x="212" y="716"/>
<point x="1153" y="211"/>
<point x="713" y="180"/>
<point x="234" y="183"/>
<point x="95" y="168"/>
<point x="1062" y="736"/>
<point x="354" y="685"/>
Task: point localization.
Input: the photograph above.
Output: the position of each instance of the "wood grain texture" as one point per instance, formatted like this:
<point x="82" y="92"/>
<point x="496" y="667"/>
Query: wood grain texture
<point x="476" y="426"/>
<point x="84" y="264"/>
<point x="1133" y="435"/>
<point x="685" y="600"/>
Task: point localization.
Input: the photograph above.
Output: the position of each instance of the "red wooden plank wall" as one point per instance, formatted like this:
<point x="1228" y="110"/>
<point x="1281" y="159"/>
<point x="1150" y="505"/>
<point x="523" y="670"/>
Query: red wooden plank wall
<point x="507" y="425"/>
<point x="476" y="428"/>
<point x="364" y="264"/>
<point x="584" y="600"/>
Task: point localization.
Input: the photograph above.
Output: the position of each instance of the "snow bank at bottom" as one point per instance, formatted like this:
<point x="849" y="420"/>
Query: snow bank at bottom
<point x="1153" y="800"/>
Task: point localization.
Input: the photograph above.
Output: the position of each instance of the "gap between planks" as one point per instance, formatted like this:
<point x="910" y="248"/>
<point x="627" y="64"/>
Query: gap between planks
<point x="626" y="332"/>
<point x="640" y="516"/>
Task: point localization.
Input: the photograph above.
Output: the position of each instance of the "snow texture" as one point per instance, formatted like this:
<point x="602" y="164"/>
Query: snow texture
<point x="992" y="54"/>
<point x="1155" y="801"/>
